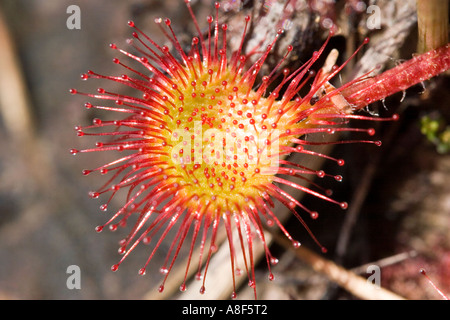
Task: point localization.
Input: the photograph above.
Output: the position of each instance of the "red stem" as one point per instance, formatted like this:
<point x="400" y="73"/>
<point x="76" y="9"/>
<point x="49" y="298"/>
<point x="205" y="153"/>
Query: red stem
<point x="403" y="76"/>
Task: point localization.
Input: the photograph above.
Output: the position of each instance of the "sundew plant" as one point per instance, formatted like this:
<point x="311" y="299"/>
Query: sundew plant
<point x="203" y="143"/>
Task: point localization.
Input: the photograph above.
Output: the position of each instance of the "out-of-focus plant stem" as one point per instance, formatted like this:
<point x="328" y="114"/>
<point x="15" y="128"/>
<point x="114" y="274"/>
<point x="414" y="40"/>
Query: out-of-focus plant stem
<point x="433" y="24"/>
<point x="14" y="100"/>
<point x="357" y="285"/>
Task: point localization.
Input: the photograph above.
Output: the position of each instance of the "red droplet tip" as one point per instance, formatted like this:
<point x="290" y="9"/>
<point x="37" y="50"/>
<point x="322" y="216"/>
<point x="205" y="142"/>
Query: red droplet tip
<point x="296" y="244"/>
<point x="320" y="173"/>
<point x="332" y="30"/>
<point x="93" y="194"/>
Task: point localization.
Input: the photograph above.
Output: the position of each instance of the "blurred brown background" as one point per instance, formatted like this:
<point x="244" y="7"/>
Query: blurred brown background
<point x="46" y="218"/>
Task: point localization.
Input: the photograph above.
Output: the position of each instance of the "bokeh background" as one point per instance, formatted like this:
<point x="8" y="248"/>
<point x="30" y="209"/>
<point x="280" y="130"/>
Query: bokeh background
<point x="47" y="220"/>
